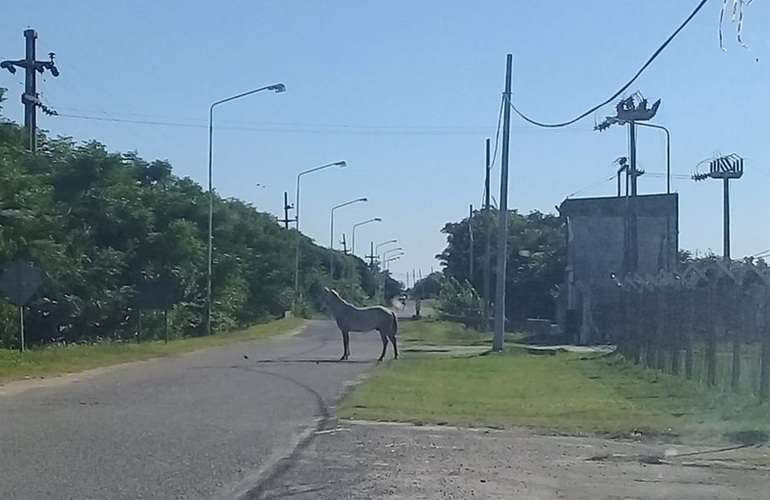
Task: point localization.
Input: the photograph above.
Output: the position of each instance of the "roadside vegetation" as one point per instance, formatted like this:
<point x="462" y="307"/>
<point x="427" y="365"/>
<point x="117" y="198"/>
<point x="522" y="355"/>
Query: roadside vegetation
<point x="563" y="392"/>
<point x="60" y="358"/>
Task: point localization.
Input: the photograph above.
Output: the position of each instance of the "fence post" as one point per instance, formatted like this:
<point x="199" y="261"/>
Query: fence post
<point x="735" y="380"/>
<point x="676" y="343"/>
<point x="638" y="325"/>
<point x="711" y="340"/>
<point x="661" y="326"/>
<point x="764" y="367"/>
<point x="691" y="278"/>
<point x="649" y="305"/>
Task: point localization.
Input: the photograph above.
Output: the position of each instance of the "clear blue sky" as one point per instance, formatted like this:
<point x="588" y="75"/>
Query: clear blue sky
<point x="406" y="92"/>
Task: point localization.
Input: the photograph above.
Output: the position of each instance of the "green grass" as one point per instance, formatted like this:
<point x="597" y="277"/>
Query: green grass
<point x="58" y="359"/>
<point x="432" y="332"/>
<point x="565" y="392"/>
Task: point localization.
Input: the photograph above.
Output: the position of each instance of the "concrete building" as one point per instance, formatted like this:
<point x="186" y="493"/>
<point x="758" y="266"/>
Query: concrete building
<point x="599" y="244"/>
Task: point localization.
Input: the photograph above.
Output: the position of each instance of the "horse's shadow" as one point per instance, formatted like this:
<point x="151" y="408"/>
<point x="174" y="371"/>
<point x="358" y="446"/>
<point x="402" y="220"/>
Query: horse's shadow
<point x="316" y="361"/>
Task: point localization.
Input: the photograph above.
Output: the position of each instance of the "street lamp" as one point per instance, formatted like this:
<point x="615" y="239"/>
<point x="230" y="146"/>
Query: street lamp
<point x="296" y="218"/>
<point x="377" y="247"/>
<point x="385" y="262"/>
<point x="353" y="249"/>
<point x="668" y="151"/>
<point x="353" y="241"/>
<point x="391" y="259"/>
<point x="386" y="252"/>
<point x="277" y="88"/>
<point x="331" y="236"/>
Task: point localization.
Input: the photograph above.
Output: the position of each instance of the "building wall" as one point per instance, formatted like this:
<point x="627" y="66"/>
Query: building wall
<point x="596" y="233"/>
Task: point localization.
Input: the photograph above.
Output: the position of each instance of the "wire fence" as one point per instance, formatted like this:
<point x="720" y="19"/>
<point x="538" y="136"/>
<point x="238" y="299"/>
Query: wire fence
<point x="709" y="324"/>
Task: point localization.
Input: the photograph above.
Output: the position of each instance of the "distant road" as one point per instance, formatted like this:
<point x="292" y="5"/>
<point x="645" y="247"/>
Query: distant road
<point x="197" y="426"/>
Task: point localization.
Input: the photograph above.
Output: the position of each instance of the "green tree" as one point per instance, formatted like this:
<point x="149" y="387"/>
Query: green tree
<point x="535" y="264"/>
<point x="98" y="223"/>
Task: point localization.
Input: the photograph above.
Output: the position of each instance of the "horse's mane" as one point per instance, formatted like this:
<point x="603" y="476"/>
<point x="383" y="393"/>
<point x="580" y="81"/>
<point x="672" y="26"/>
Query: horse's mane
<point x="339" y="298"/>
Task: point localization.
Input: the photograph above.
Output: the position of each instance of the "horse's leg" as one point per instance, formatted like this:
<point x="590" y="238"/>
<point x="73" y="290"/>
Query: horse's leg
<point x="392" y="337"/>
<point x="345" y="345"/>
<point x="384" y="338"/>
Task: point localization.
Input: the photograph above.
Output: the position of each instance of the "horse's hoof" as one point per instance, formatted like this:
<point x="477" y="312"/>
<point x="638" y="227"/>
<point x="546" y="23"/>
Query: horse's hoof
<point x="379" y="360"/>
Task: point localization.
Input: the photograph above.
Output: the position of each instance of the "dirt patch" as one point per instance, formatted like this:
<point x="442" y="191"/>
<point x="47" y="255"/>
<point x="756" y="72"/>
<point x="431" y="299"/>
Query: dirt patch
<point x="376" y="460"/>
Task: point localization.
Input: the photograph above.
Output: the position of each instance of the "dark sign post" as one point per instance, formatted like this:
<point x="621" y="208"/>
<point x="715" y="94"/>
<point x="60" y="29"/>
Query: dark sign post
<point x="156" y="294"/>
<point x="19" y="283"/>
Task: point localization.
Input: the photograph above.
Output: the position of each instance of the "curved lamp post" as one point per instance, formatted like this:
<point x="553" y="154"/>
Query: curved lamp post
<point x="331" y="236"/>
<point x="277" y="88"/>
<point x="353" y="249"/>
<point x="296" y="216"/>
<point x="391" y="259"/>
<point x="386" y="265"/>
<point x="353" y="241"/>
<point x="377" y="247"/>
<point x="386" y="252"/>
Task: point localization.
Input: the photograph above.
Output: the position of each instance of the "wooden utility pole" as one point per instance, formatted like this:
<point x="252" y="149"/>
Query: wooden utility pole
<point x="30" y="98"/>
<point x="502" y="235"/>
<point x="371" y="255"/>
<point x="488" y="239"/>
<point x="471" y="243"/>
<point x="286" y="207"/>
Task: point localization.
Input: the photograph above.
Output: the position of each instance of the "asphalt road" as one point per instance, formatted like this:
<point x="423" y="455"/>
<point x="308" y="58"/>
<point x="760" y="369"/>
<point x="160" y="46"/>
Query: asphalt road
<point x="210" y="424"/>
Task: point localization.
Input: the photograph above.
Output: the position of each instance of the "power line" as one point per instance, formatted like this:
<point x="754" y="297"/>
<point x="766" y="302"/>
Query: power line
<point x="593" y="185"/>
<point x="497" y="133"/>
<point x="622" y="89"/>
<point x="293" y="124"/>
<point x="296" y="128"/>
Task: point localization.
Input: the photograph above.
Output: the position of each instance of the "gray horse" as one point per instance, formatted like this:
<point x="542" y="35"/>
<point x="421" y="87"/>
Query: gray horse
<point x="362" y="319"/>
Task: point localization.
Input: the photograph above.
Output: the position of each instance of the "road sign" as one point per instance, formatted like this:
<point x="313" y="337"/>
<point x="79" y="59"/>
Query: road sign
<point x="156" y="294"/>
<point x="20" y="281"/>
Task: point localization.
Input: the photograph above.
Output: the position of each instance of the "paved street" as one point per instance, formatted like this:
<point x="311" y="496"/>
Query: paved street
<point x="204" y="425"/>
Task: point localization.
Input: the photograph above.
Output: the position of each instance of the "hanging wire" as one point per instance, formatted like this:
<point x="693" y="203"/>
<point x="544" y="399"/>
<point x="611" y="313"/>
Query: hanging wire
<point x="623" y="88"/>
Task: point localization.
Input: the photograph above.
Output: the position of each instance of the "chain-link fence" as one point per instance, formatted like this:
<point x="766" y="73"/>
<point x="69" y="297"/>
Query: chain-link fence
<point x="710" y="324"/>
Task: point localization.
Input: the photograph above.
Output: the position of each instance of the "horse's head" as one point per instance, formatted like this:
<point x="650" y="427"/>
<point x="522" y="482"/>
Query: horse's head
<point x="330" y="298"/>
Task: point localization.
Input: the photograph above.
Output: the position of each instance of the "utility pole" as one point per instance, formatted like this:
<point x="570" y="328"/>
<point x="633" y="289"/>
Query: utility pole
<point x="470" y="251"/>
<point x="488" y="238"/>
<point x="344" y="245"/>
<point x="30" y="98"/>
<point x="371" y="255"/>
<point x="286" y="207"/>
<point x="628" y="112"/>
<point x="502" y="237"/>
<point x="725" y="168"/>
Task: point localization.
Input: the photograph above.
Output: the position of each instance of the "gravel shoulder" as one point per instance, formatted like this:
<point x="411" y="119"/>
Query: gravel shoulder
<point x="359" y="459"/>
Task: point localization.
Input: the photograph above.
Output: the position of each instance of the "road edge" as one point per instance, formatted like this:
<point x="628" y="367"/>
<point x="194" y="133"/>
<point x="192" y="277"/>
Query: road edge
<point x="15" y="387"/>
<point x="252" y="489"/>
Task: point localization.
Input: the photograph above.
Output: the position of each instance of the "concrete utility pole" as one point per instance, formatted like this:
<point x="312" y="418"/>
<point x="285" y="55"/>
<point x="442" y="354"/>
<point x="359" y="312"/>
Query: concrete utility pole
<point x="725" y="168"/>
<point x="488" y="239"/>
<point x="629" y="112"/>
<point x="502" y="234"/>
<point x="286" y="207"/>
<point x="30" y="98"/>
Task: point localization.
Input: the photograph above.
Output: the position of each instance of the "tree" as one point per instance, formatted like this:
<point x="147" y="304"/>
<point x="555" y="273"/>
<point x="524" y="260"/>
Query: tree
<point x="535" y="264"/>
<point x="98" y="223"/>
